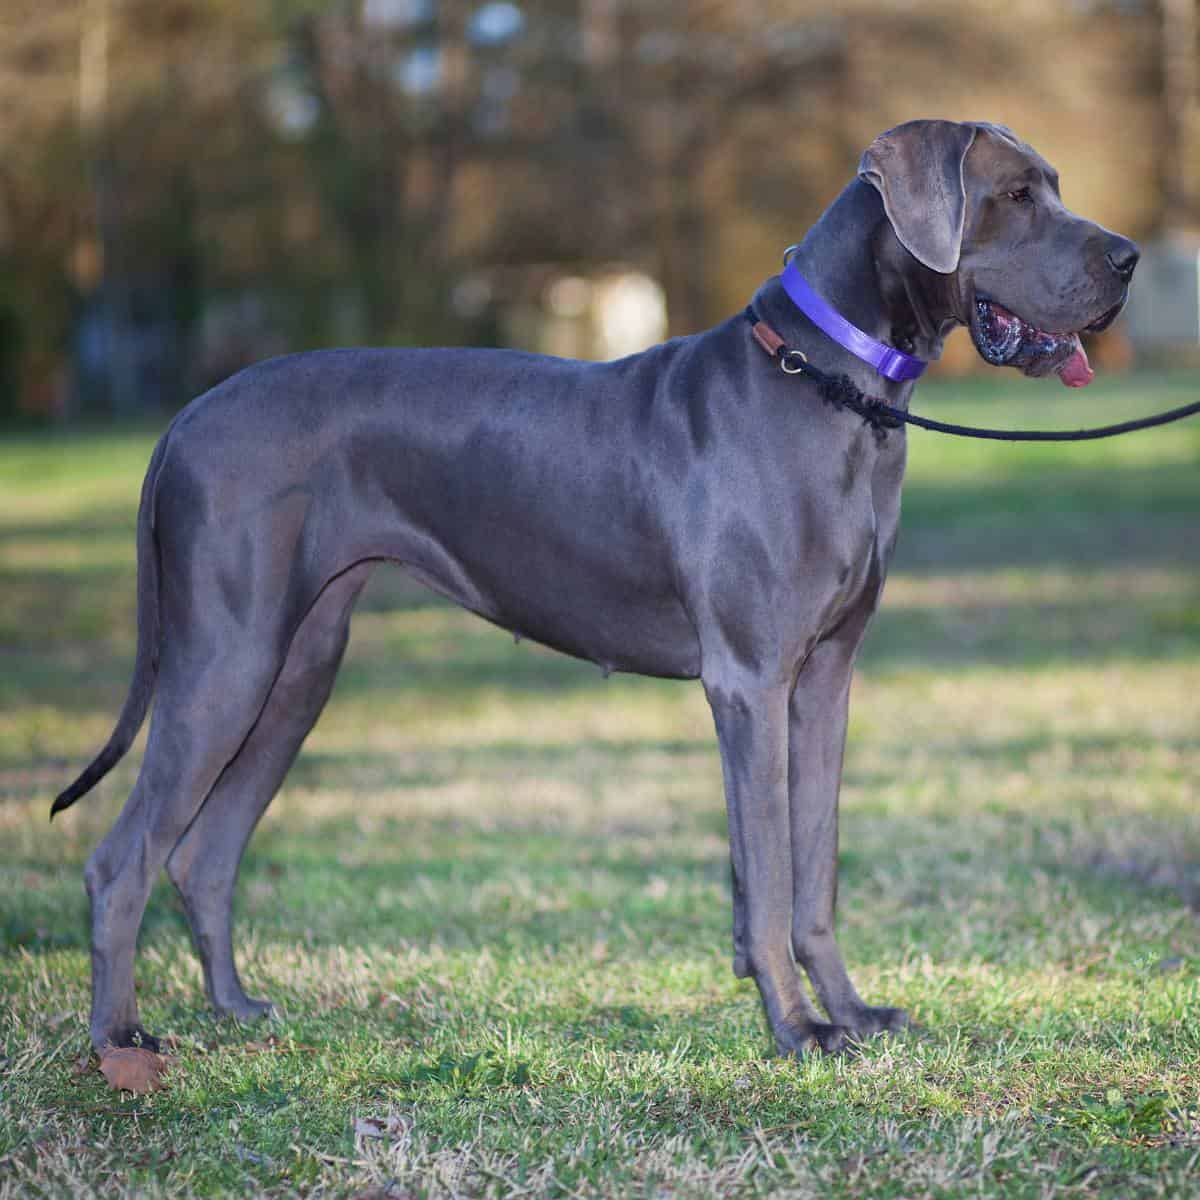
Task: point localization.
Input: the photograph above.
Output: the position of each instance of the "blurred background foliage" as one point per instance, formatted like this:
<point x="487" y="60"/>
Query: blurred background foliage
<point x="189" y="185"/>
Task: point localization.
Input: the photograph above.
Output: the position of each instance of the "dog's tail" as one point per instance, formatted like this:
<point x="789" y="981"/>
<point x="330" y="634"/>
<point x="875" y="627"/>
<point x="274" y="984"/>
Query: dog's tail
<point x="145" y="666"/>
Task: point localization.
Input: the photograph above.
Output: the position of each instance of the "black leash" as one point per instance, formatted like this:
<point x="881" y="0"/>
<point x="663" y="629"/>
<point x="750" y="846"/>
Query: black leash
<point x="842" y="393"/>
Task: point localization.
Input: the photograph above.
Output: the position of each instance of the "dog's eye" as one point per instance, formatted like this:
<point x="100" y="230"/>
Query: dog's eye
<point x="1020" y="196"/>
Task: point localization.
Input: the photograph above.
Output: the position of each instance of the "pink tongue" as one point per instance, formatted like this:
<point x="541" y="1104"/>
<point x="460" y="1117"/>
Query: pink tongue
<point x="1076" y="372"/>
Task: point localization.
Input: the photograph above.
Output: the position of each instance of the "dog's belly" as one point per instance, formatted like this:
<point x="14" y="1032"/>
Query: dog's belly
<point x="617" y="631"/>
<point x="574" y="575"/>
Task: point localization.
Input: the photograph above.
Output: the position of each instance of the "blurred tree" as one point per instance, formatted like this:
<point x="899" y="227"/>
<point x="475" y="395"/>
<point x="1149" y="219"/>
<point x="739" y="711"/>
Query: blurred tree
<point x="186" y="185"/>
<point x="103" y="101"/>
<point x="676" y="90"/>
<point x="1180" y="80"/>
<point x="389" y="126"/>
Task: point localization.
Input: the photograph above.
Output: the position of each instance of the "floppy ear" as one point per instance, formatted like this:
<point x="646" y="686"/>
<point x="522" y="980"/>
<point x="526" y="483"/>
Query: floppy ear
<point x="918" y="170"/>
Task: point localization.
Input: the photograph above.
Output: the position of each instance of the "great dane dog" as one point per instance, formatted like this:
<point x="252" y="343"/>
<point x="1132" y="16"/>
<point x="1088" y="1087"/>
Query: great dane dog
<point x="690" y="512"/>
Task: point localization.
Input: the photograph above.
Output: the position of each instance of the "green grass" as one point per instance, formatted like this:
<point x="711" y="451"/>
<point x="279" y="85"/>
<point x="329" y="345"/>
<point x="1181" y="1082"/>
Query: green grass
<point x="492" y="899"/>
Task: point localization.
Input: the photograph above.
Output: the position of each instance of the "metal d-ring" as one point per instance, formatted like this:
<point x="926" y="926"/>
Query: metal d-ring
<point x="793" y="362"/>
<point x="787" y="254"/>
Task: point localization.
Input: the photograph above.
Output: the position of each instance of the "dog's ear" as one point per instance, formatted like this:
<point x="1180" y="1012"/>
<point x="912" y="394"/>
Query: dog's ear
<point x="918" y="170"/>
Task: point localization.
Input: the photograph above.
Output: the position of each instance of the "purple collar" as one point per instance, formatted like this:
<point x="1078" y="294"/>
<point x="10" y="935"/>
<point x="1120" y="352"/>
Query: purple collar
<point x="889" y="362"/>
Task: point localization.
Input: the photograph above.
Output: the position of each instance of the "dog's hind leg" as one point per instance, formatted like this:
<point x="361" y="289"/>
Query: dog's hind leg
<point x="205" y="706"/>
<point x="204" y="865"/>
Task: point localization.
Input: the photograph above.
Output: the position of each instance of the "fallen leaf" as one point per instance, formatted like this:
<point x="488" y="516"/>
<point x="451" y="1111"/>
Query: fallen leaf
<point x="132" y="1069"/>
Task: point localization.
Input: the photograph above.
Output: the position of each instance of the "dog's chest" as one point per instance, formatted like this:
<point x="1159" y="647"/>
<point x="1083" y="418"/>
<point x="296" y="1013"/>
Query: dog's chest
<point x="861" y="511"/>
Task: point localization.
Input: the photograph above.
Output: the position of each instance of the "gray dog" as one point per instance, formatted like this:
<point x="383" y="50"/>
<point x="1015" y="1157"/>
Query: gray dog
<point x="690" y="512"/>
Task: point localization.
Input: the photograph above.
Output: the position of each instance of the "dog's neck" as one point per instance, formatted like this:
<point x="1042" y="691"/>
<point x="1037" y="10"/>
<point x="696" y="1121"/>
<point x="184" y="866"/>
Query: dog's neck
<point x="873" y="282"/>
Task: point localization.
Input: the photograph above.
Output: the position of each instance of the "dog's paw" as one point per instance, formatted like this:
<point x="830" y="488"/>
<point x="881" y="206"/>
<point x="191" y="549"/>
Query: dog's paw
<point x="813" y="1037"/>
<point x="245" y="1010"/>
<point x="125" y="1037"/>
<point x="868" y="1021"/>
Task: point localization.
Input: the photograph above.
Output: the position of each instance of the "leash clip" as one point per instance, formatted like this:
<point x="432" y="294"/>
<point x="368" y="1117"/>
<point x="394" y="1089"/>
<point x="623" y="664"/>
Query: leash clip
<point x="793" y="362"/>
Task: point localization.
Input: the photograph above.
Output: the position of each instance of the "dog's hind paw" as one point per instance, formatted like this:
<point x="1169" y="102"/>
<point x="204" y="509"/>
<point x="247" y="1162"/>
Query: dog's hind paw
<point x="129" y="1036"/>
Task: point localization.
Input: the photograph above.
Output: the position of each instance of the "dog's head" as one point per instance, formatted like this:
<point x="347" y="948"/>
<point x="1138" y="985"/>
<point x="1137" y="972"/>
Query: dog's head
<point x="972" y="202"/>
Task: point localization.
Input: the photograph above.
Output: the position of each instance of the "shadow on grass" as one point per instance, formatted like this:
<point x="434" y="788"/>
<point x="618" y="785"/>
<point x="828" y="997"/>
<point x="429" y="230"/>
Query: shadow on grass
<point x="526" y="761"/>
<point x="319" y="769"/>
<point x="515" y="887"/>
<point x="373" y="770"/>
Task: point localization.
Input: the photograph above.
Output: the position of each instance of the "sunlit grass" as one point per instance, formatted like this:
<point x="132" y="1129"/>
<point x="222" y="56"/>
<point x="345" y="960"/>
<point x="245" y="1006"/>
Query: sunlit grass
<point x="492" y="898"/>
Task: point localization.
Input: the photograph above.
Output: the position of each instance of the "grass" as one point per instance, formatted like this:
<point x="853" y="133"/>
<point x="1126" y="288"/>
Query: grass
<point x="492" y="898"/>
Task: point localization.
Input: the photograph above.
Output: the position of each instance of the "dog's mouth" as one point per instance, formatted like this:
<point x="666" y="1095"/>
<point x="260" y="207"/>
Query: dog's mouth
<point x="1006" y="340"/>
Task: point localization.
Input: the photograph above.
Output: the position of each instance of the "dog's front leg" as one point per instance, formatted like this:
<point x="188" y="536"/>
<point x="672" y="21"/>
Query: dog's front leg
<point x="752" y="729"/>
<point x="817" y="738"/>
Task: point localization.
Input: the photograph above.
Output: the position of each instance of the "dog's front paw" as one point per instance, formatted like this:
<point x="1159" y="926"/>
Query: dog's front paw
<point x="813" y="1037"/>
<point x="869" y="1020"/>
<point x="245" y="1010"/>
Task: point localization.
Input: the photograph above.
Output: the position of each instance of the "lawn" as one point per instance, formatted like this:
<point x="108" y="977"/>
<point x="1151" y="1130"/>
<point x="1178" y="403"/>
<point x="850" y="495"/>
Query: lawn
<point x="492" y="900"/>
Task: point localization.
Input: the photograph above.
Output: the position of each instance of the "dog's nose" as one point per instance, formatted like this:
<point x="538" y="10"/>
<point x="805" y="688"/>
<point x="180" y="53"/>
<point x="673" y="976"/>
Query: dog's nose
<point x="1123" y="257"/>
